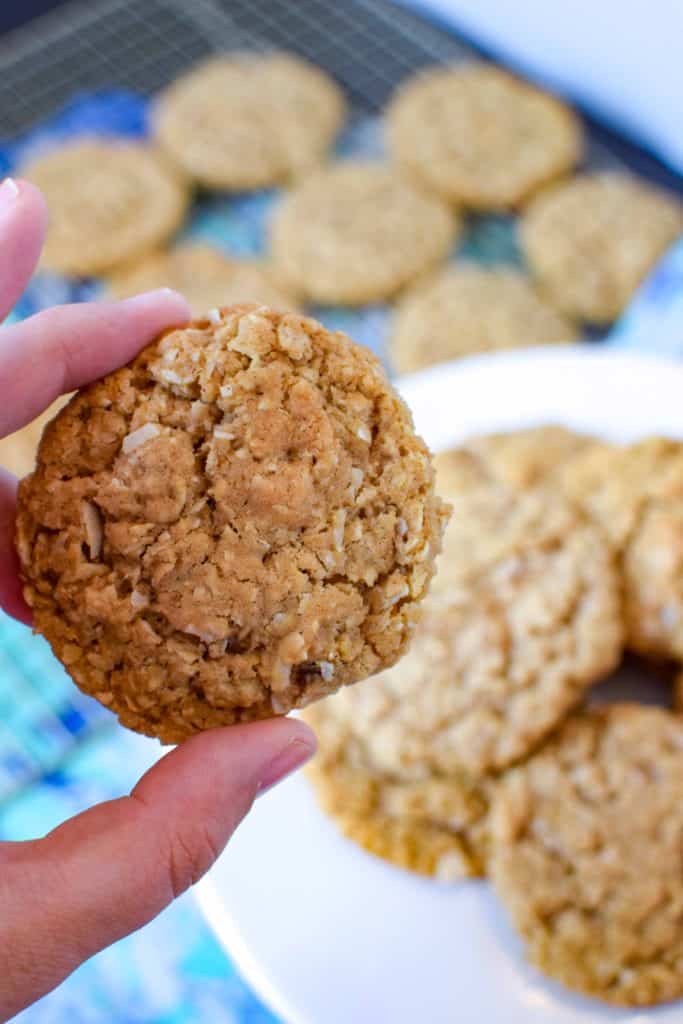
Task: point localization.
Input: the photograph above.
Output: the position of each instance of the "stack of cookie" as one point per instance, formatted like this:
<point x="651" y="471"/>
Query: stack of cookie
<point x="481" y="752"/>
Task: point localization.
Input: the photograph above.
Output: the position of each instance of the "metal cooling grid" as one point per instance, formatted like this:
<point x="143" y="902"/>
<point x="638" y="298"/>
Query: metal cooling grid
<point x="368" y="45"/>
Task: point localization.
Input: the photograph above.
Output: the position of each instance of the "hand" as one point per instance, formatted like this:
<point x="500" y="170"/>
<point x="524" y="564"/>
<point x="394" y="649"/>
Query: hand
<point x="110" y="870"/>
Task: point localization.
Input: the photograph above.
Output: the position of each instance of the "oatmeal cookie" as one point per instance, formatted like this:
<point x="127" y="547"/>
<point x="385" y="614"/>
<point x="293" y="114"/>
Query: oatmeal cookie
<point x="587" y="854"/>
<point x="240" y="521"/>
<point x="480" y="137"/>
<point x="468" y="309"/>
<point x="531" y="457"/>
<point x="590" y="241"/>
<point x="109" y="202"/>
<point x="206" y="277"/>
<point x="511" y="637"/>
<point x="246" y="122"/>
<point x="636" y="494"/>
<point x="357" y="232"/>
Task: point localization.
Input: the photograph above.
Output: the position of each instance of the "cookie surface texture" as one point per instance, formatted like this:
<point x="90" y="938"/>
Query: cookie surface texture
<point x="591" y="241"/>
<point x="587" y="854"/>
<point x="480" y="137"/>
<point x="469" y="309"/>
<point x="240" y="521"/>
<point x="636" y="494"/>
<point x="206" y="277"/>
<point x="358" y="232"/>
<point x="109" y="202"/>
<point x="248" y="122"/>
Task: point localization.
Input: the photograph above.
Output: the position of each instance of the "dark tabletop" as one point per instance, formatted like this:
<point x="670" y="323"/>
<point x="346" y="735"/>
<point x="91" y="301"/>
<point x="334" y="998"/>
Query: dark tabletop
<point x="15" y="12"/>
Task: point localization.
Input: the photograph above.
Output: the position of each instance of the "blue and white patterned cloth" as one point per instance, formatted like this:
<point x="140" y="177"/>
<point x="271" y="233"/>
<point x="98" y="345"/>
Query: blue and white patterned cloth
<point x="173" y="971"/>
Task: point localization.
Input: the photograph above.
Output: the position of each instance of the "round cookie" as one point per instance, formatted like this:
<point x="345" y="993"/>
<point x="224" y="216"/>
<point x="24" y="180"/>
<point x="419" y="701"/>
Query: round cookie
<point x="468" y="309"/>
<point x="357" y="232"/>
<point x="636" y="494"/>
<point x="521" y="459"/>
<point x="587" y="854"/>
<point x="240" y="521"/>
<point x="480" y="137"/>
<point x="433" y="826"/>
<point x="206" y="277"/>
<point x="510" y="639"/>
<point x="533" y="586"/>
<point x="248" y="122"/>
<point x="110" y="202"/>
<point x="591" y="241"/>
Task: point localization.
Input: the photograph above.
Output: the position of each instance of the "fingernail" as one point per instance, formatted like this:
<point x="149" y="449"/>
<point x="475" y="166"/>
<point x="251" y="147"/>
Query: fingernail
<point x="293" y="756"/>
<point x="9" y="190"/>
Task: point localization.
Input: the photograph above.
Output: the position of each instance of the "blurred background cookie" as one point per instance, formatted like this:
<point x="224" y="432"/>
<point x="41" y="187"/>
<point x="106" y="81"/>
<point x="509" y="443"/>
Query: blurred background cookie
<point x="206" y="277"/>
<point x="468" y="309"/>
<point x="590" y="241"/>
<point x="524" y="616"/>
<point x="18" y="451"/>
<point x="246" y="121"/>
<point x="587" y="854"/>
<point x="109" y="203"/>
<point x="358" y="232"/>
<point x="480" y="137"/>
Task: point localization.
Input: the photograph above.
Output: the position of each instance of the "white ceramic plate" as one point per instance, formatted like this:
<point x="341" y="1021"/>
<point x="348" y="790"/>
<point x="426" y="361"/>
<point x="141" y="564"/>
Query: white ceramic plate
<point x="327" y="934"/>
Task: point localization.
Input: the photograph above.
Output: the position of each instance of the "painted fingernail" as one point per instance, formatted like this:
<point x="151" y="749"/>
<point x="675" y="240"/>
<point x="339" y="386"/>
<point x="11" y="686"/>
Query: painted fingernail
<point x="294" y="755"/>
<point x="9" y="190"/>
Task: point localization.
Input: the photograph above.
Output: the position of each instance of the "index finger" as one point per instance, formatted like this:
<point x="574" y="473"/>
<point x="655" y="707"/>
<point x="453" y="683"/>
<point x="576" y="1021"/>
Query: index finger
<point x="64" y="348"/>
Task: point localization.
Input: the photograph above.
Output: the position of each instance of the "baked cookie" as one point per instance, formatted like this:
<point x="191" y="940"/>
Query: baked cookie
<point x="372" y="775"/>
<point x="636" y="494"/>
<point x="358" y="232"/>
<point x="244" y="121"/>
<point x="110" y="202"/>
<point x="545" y="586"/>
<point x="240" y="521"/>
<point x="206" y="277"/>
<point x="521" y="459"/>
<point x="587" y="854"/>
<point x="468" y="309"/>
<point x="511" y="637"/>
<point x="480" y="137"/>
<point x="18" y="450"/>
<point x="591" y="241"/>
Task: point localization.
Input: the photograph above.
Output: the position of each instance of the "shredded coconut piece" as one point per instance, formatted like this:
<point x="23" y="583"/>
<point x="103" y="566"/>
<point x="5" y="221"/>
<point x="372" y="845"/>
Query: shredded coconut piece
<point x="138" y="437"/>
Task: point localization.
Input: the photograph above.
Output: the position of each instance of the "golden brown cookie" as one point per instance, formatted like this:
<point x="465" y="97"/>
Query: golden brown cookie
<point x="587" y="854"/>
<point x="636" y="494"/>
<point x="520" y="459"/>
<point x="18" y="450"/>
<point x="357" y="232"/>
<point x="434" y="826"/>
<point x="244" y="121"/>
<point x="480" y="137"/>
<point x="110" y="202"/>
<point x="546" y="590"/>
<point x="524" y="615"/>
<point x="240" y="521"/>
<point x="468" y="309"/>
<point x="591" y="241"/>
<point x="206" y="277"/>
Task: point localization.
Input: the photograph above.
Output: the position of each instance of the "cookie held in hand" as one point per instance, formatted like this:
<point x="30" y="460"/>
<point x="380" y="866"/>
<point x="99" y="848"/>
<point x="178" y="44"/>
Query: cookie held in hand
<point x="238" y="522"/>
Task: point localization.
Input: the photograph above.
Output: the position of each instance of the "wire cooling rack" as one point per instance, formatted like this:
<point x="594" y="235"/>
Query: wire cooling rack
<point x="368" y="45"/>
<point x="88" y="46"/>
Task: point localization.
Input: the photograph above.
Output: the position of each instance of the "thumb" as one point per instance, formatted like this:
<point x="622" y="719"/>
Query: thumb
<point x="111" y="869"/>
